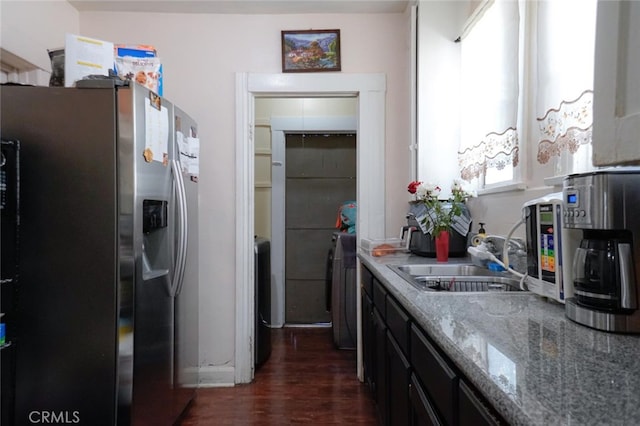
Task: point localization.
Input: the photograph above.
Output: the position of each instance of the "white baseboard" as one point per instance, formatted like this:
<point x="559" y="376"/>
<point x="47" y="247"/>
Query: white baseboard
<point x="217" y="376"/>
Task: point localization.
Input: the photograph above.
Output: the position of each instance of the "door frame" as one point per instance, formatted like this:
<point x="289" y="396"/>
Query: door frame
<point x="280" y="126"/>
<point x="371" y="91"/>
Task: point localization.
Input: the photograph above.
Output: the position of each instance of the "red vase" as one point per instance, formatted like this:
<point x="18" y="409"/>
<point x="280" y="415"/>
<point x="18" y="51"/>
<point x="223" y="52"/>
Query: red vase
<point x="442" y="246"/>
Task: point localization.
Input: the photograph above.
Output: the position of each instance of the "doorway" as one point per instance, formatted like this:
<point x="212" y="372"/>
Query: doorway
<point x="325" y="122"/>
<point x="320" y="176"/>
<point x="370" y="90"/>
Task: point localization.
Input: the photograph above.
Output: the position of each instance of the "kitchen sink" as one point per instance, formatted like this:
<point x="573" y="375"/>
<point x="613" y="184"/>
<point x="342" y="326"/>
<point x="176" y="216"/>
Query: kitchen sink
<point x="456" y="278"/>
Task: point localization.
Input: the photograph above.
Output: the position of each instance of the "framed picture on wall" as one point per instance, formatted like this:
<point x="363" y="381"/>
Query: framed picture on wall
<point x="311" y="51"/>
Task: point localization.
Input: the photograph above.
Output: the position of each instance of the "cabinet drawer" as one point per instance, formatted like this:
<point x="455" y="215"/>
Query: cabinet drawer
<point x="367" y="281"/>
<point x="379" y="298"/>
<point x="438" y="377"/>
<point x="398" y="323"/>
<point x="474" y="410"/>
<point x="422" y="412"/>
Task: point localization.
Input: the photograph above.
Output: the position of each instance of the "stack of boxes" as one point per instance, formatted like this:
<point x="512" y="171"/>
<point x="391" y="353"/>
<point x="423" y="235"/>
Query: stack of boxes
<point x="84" y="56"/>
<point x="139" y="63"/>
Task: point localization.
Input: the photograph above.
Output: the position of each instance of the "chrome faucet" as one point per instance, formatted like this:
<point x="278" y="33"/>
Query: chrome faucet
<point x="498" y="241"/>
<point x="516" y="250"/>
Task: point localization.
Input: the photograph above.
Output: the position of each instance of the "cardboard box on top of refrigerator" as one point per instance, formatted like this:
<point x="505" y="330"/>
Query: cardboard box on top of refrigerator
<point x="139" y="63"/>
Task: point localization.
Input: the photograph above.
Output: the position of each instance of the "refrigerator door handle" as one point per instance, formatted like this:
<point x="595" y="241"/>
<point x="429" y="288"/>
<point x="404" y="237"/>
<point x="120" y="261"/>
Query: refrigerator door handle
<point x="181" y="255"/>
<point x="185" y="231"/>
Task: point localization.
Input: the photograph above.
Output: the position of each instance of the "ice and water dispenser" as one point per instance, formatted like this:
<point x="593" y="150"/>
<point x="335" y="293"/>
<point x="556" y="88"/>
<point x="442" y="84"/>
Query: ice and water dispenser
<point x="155" y="256"/>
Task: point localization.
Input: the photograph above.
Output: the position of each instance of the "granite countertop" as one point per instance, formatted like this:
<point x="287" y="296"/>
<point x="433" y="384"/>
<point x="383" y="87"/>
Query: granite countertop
<point x="532" y="363"/>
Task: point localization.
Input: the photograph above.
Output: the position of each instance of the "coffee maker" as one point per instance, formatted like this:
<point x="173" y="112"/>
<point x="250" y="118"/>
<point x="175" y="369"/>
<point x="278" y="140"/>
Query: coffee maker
<point x="603" y="205"/>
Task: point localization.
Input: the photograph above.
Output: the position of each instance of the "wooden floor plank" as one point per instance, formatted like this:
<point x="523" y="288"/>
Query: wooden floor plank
<point x="305" y="381"/>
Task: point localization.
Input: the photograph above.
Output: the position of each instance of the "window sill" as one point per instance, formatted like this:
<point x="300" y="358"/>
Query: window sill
<point x="514" y="186"/>
<point x="554" y="180"/>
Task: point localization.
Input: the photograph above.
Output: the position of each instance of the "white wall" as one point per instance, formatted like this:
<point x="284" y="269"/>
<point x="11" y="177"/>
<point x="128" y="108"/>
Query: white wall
<point x="29" y="28"/>
<point x="200" y="55"/>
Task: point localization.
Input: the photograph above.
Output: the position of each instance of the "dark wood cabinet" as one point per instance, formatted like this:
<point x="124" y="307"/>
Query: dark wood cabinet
<point x="422" y="414"/>
<point x="380" y="298"/>
<point x="367" y="338"/>
<point x="436" y="374"/>
<point x="374" y="342"/>
<point x="473" y="410"/>
<point x="413" y="381"/>
<point x="367" y="281"/>
<point x="399" y="404"/>
<point x="398" y="323"/>
<point x="381" y="390"/>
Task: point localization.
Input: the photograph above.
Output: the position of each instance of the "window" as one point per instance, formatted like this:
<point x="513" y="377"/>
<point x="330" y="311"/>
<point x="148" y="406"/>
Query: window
<point x="489" y="148"/>
<point x="563" y="84"/>
<point x="527" y="80"/>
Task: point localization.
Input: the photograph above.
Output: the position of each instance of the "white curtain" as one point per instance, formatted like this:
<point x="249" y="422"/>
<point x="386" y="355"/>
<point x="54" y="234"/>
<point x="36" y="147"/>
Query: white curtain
<point x="490" y="87"/>
<point x="565" y="46"/>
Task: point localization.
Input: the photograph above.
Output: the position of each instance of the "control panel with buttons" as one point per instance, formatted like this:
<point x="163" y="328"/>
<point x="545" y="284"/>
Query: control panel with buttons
<point x="575" y="213"/>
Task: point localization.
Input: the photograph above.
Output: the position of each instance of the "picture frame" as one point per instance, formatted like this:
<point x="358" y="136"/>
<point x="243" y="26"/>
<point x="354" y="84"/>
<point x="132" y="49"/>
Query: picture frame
<point x="311" y="51"/>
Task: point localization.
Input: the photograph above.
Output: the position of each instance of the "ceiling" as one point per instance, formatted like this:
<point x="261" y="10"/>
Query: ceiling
<point x="244" y="6"/>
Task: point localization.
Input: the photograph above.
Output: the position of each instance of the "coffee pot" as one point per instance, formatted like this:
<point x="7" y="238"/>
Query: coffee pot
<point x="602" y="268"/>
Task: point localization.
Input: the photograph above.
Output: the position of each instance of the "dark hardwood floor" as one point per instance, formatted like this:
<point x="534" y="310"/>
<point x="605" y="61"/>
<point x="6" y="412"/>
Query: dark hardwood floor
<point x="305" y="381"/>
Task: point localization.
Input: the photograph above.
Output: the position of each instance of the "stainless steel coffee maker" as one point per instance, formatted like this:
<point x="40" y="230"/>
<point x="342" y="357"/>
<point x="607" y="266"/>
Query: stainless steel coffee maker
<point x="605" y="206"/>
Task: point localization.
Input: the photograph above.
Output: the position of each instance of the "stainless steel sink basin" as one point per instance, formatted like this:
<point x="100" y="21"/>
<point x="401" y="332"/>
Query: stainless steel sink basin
<point x="455" y="277"/>
<point x="447" y="269"/>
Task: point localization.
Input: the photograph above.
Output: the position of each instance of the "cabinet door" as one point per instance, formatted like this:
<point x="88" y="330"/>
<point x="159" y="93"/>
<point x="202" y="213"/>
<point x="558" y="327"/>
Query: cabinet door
<point x="368" y="347"/>
<point x="616" y="105"/>
<point x="367" y="281"/>
<point x="380" y="298"/>
<point x="398" y="323"/>
<point x="399" y="377"/>
<point x="438" y="376"/>
<point x="422" y="413"/>
<point x="473" y="410"/>
<point x="380" y="367"/>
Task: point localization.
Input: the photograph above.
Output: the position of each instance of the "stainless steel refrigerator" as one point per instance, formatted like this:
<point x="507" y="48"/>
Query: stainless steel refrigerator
<point x="107" y="323"/>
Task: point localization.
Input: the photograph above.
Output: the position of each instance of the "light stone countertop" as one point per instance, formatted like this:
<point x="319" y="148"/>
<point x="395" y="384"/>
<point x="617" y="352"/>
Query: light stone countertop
<point x="532" y="363"/>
